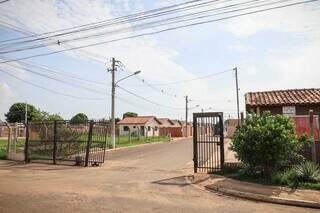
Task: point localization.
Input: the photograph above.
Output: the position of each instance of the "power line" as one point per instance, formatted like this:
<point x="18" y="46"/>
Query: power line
<point x="59" y="80"/>
<point x="47" y="69"/>
<point x="108" y="20"/>
<point x="149" y="25"/>
<point x="160" y="31"/>
<point x="50" y="90"/>
<point x="147" y="100"/>
<point x="194" y="79"/>
<point x="93" y="56"/>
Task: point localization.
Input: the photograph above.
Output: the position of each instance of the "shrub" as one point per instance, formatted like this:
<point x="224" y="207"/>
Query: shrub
<point x="266" y="143"/>
<point x="303" y="174"/>
<point x="288" y="177"/>
<point x="307" y="172"/>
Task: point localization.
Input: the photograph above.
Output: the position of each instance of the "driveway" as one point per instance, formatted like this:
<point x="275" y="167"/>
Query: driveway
<point x="148" y="178"/>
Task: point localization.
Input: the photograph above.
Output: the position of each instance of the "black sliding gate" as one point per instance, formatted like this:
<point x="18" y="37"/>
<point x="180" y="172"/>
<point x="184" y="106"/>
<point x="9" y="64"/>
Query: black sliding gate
<point x="208" y="142"/>
<point x="65" y="142"/>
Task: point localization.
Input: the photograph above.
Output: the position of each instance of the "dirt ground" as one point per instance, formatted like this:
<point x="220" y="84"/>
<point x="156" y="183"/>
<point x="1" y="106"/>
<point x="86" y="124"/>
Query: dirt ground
<point x="150" y="178"/>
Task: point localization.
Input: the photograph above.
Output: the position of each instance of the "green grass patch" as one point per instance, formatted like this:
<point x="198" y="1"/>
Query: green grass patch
<point x="125" y="141"/>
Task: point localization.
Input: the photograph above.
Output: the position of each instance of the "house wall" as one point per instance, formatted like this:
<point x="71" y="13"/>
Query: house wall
<point x="300" y="109"/>
<point x="135" y="128"/>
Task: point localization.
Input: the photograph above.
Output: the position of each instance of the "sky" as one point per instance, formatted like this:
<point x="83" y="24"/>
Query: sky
<point x="272" y="50"/>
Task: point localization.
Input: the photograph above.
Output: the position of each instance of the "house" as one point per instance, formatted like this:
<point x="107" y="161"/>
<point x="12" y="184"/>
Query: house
<point x="230" y="127"/>
<point x="141" y="125"/>
<point x="290" y="102"/>
<point x="189" y="129"/>
<point x="170" y="127"/>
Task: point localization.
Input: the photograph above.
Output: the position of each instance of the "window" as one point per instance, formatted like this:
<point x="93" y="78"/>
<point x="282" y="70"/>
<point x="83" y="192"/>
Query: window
<point x="125" y="128"/>
<point x="155" y="128"/>
<point x="149" y="128"/>
<point x="134" y="127"/>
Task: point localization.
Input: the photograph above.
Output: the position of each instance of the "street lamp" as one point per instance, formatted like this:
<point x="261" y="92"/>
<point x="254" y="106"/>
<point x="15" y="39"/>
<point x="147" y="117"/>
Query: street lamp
<point x="113" y="123"/>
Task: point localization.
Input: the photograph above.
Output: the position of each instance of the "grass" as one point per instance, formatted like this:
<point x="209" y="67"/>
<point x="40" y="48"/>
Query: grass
<point x="125" y="141"/>
<point x="3" y="146"/>
<point x="238" y="173"/>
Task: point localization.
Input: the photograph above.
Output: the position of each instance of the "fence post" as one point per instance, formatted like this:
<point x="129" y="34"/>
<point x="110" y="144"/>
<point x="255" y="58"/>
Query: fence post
<point x="89" y="143"/>
<point x="54" y="142"/>
<point x="221" y="140"/>
<point x="313" y="146"/>
<point x="242" y="118"/>
<point x="9" y="138"/>
<point x="129" y="135"/>
<point x="26" y="145"/>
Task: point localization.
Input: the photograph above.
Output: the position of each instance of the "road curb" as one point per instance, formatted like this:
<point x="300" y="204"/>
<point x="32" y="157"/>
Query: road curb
<point x="144" y="144"/>
<point x="263" y="198"/>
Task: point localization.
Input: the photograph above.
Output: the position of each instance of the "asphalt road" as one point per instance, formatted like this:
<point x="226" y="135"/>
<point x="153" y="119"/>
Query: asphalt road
<point x="148" y="178"/>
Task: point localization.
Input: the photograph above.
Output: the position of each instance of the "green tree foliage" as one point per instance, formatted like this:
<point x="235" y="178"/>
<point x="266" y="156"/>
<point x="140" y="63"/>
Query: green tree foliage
<point x="266" y="143"/>
<point x="79" y="118"/>
<point x="129" y="114"/>
<point x="17" y="113"/>
<point x="54" y="117"/>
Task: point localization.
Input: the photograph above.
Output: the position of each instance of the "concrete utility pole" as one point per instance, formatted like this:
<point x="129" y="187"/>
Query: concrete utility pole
<point x="237" y="89"/>
<point x="113" y="91"/>
<point x="187" y="101"/>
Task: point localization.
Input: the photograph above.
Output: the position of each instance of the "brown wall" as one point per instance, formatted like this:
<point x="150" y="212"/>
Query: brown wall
<point x="300" y="109"/>
<point x="173" y="131"/>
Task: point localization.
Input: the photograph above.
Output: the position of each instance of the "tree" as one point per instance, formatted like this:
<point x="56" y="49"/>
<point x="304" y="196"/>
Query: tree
<point x="266" y="143"/>
<point x="17" y="113"/>
<point x="79" y="118"/>
<point x="54" y="117"/>
<point x="129" y="114"/>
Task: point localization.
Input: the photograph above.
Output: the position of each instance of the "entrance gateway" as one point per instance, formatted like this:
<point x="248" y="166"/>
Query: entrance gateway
<point x="208" y="142"/>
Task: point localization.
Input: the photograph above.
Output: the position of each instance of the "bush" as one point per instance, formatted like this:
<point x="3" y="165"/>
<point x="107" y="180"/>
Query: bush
<point x="289" y="177"/>
<point x="307" y="172"/>
<point x="303" y="174"/>
<point x="266" y="143"/>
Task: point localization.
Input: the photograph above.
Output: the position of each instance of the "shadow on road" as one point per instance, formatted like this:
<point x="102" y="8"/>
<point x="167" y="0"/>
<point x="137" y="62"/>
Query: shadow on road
<point x="176" y="181"/>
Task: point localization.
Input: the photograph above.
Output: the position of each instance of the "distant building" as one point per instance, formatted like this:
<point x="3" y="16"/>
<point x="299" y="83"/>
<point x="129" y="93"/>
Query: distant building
<point x="285" y="102"/>
<point x="141" y="125"/>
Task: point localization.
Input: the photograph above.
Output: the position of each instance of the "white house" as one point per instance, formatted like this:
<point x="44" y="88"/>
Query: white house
<point x="141" y="125"/>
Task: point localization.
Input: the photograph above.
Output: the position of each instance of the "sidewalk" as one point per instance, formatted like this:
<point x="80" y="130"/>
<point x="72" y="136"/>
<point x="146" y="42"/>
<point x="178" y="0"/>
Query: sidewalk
<point x="258" y="192"/>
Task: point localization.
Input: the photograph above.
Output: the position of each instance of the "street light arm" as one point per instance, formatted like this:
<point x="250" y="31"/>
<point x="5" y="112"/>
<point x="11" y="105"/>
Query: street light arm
<point x="135" y="73"/>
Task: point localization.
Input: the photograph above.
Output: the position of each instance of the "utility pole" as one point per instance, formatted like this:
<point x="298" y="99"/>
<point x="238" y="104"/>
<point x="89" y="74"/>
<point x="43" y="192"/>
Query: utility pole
<point x="237" y="89"/>
<point x="113" y="90"/>
<point x="26" y="114"/>
<point x="187" y="101"/>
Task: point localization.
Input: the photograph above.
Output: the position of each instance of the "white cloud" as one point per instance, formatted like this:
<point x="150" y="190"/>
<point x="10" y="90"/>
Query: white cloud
<point x="157" y="63"/>
<point x="6" y="98"/>
<point x="293" y="19"/>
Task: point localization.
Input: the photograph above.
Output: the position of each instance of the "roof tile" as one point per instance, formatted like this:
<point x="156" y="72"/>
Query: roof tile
<point x="281" y="97"/>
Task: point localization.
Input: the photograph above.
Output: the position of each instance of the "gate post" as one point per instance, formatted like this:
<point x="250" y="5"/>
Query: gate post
<point x="221" y="140"/>
<point x="195" y="148"/>
<point x="26" y="145"/>
<point x="54" y="142"/>
<point x="89" y="143"/>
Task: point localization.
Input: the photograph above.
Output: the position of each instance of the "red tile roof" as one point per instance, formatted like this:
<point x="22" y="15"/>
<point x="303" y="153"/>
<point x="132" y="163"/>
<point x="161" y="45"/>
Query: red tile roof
<point x="137" y="120"/>
<point x="166" y="122"/>
<point x="283" y="97"/>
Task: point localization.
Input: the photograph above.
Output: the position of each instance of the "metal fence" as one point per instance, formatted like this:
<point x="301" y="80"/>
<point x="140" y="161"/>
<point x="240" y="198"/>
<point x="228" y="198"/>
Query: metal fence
<point x="64" y="142"/>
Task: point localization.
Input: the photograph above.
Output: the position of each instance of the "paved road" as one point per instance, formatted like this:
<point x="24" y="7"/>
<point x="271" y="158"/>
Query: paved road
<point x="149" y="178"/>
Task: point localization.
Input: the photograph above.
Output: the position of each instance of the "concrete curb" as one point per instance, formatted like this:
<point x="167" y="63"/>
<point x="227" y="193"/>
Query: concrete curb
<point x="144" y="144"/>
<point x="263" y="198"/>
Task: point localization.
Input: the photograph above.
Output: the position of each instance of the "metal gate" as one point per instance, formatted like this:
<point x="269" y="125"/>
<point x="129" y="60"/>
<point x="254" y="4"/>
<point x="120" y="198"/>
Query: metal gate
<point x="208" y="142"/>
<point x="65" y="142"/>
